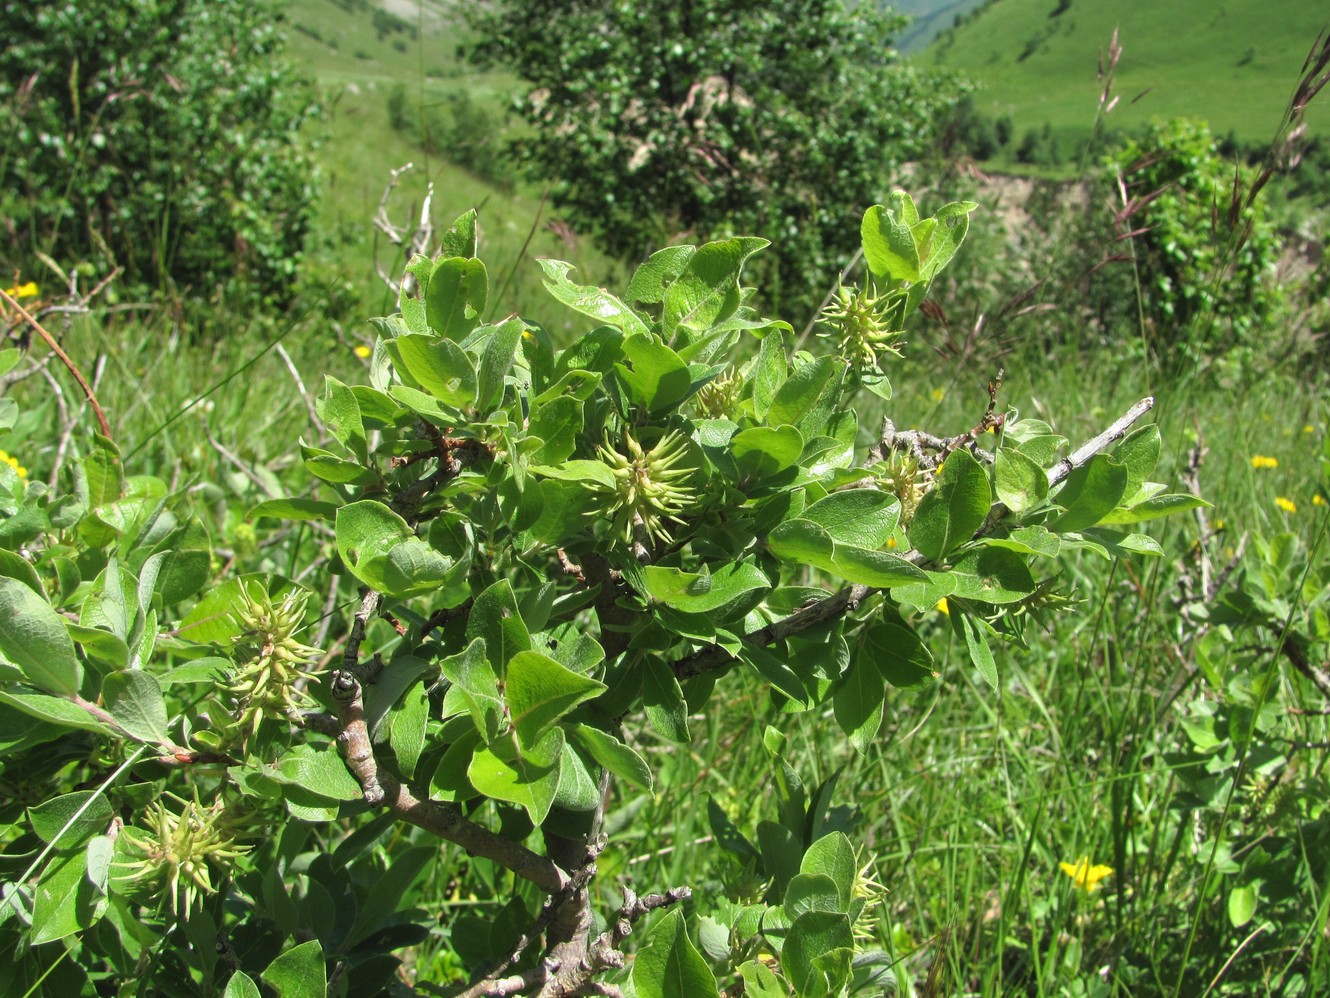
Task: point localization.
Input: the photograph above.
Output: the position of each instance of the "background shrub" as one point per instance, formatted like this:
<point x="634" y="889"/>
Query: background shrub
<point x="156" y="136"/>
<point x="708" y="118"/>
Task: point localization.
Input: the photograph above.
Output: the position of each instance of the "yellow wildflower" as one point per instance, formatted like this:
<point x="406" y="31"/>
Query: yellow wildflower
<point x="1318" y="500"/>
<point x="942" y="606"/>
<point x="361" y="351"/>
<point x="891" y="544"/>
<point x="1287" y="505"/>
<point x="1309" y="428"/>
<point x="1261" y="461"/>
<point x="1086" y="877"/>
<point x="21" y="471"/>
<point x="1218" y="524"/>
<point x="28" y="290"/>
<point x="938" y="394"/>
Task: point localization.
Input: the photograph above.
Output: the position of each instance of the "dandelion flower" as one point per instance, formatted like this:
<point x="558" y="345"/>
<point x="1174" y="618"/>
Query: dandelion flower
<point x="1085" y="876"/>
<point x="28" y="290"/>
<point x="1260" y="461"/>
<point x="19" y="470"/>
<point x="1287" y="505"/>
<point x="361" y="351"/>
<point x="1318" y="500"/>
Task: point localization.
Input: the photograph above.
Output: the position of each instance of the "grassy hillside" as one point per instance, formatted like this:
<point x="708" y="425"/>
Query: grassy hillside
<point x="1232" y="63"/>
<point x="929" y="18"/>
<point x="359" y="51"/>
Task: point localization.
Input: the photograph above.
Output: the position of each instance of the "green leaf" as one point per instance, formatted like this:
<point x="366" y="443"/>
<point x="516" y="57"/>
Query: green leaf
<point x="658" y="378"/>
<point x="382" y="903"/>
<point x="1153" y="508"/>
<point x="944" y="238"/>
<point x="727" y="836"/>
<point x="474" y="681"/>
<point x="33" y="638"/>
<point x="496" y="362"/>
<point x="104" y="472"/>
<point x="808" y="543"/>
<point x="833" y="856"/>
<point x="903" y="660"/>
<point x="65" y="901"/>
<point x="15" y="566"/>
<point x="862" y="518"/>
<point x="778" y="672"/>
<point x="1241" y="905"/>
<point x="1019" y="482"/>
<point x="71" y="819"/>
<point x="456" y="296"/>
<point x="56" y="710"/>
<point x="595" y="302"/>
<point x="953" y="509"/>
<point x="889" y="247"/>
<point x="976" y="642"/>
<point x="759" y="981"/>
<point x="1138" y="453"/>
<point x="857" y="701"/>
<point x="293" y="509"/>
<point x="557" y="423"/>
<point x="663" y="702"/>
<point x="539" y="691"/>
<point x="529" y="778"/>
<point x="669" y="966"/>
<point x="811" y="892"/>
<point x="382" y="551"/>
<point x="764" y="451"/>
<point x="620" y="759"/>
<point x="338" y="408"/>
<point x="300" y="972"/>
<point x="460" y="239"/>
<point x="406" y="728"/>
<point x="580" y="470"/>
<point x="769" y="374"/>
<point x="439" y="366"/>
<point x="134" y="699"/>
<point x="707" y="291"/>
<point x="1032" y="539"/>
<point x="328" y="467"/>
<point x="817" y="954"/>
<point x="992" y="575"/>
<point x="808" y="397"/>
<point x="319" y="770"/>
<point x="496" y="618"/>
<point x="730" y="592"/>
<point x="1090" y="493"/>
<point x="241" y="985"/>
<point x="657" y="273"/>
<point x="578" y="789"/>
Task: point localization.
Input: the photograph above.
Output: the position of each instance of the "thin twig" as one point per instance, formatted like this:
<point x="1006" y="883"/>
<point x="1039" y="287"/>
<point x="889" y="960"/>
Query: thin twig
<point x="64" y="359"/>
<point x="300" y="384"/>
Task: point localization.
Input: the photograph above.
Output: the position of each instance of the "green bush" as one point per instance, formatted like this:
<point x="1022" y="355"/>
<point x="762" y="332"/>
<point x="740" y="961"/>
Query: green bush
<point x="547" y="562"/>
<point x="659" y="121"/>
<point x="1204" y="263"/>
<point x="153" y="135"/>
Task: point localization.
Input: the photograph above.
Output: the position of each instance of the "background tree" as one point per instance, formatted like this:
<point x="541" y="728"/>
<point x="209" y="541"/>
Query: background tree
<point x="710" y="117"/>
<point x="107" y="109"/>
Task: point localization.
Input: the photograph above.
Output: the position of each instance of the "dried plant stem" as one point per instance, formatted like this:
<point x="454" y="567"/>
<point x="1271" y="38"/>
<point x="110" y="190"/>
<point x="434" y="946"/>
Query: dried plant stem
<point x="64" y="359"/>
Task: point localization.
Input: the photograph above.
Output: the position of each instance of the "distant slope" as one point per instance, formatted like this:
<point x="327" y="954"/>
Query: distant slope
<point x="1231" y="62"/>
<point x="929" y="18"/>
